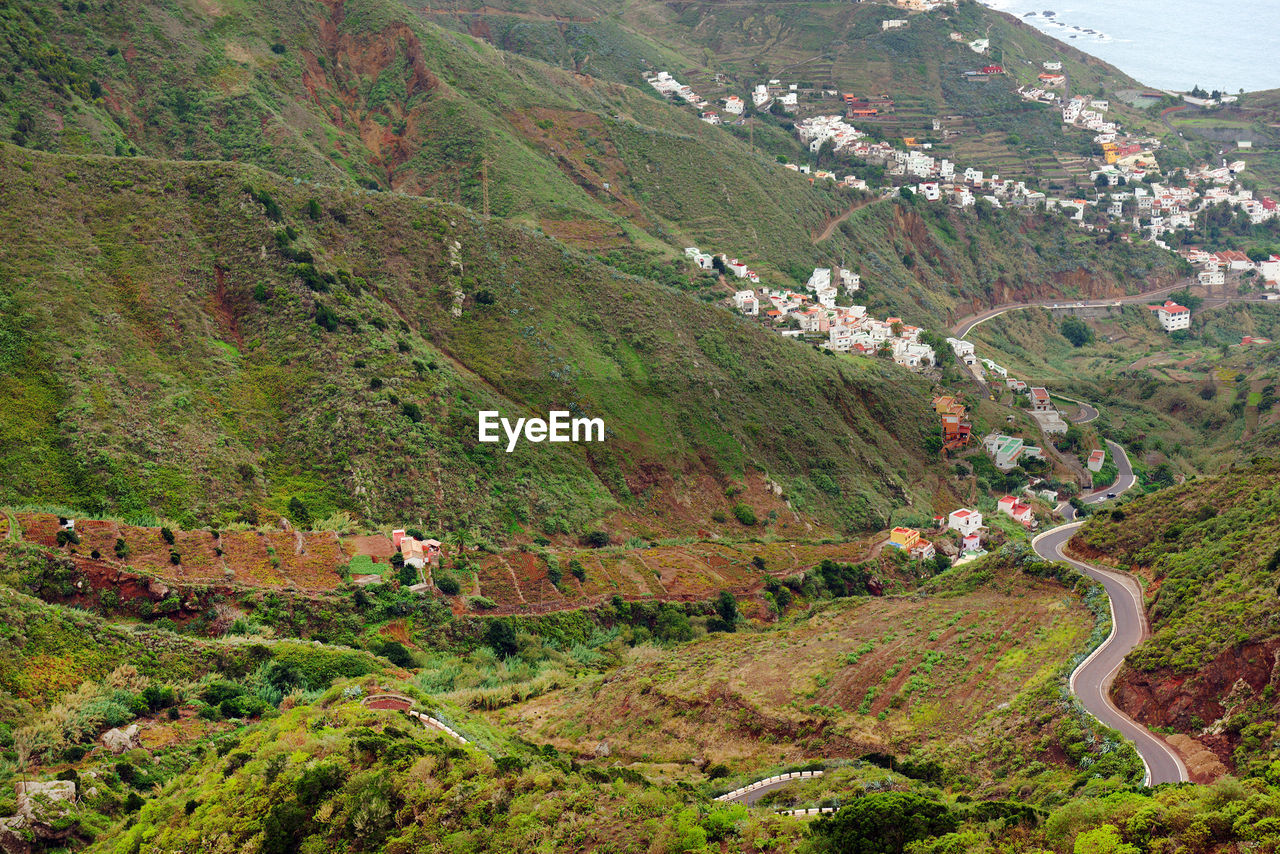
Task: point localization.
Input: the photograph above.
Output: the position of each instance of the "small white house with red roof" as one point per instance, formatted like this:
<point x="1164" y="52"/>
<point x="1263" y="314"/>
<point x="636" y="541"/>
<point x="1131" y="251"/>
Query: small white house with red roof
<point x="1040" y="401"/>
<point x="965" y="521"/>
<point x="1172" y="316"/>
<point x="1096" y="459"/>
<point x="1016" y="510"/>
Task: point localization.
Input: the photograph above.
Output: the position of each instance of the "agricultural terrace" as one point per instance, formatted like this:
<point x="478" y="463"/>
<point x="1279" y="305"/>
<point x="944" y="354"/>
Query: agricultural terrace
<point x="515" y="581"/>
<point x="853" y="676"/>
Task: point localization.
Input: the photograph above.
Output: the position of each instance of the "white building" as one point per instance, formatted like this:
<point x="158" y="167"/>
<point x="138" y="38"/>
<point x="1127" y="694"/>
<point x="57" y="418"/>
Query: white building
<point x="820" y="279"/>
<point x="965" y="521"/>
<point x="747" y="303"/>
<point x="1172" y="316"/>
<point x="893" y="24"/>
<point x="735" y="105"/>
<point x="850" y="280"/>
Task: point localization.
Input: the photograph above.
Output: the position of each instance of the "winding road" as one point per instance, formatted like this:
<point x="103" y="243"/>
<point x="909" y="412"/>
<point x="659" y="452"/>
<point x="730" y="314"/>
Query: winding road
<point x="966" y="325"/>
<point x="1091" y="681"/>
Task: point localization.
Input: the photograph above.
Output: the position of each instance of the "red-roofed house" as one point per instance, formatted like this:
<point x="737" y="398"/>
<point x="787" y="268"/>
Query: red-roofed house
<point x="1040" y="401"/>
<point x="965" y="521"/>
<point x="1016" y="510"/>
<point x="1172" y="316"/>
<point x="1096" y="459"/>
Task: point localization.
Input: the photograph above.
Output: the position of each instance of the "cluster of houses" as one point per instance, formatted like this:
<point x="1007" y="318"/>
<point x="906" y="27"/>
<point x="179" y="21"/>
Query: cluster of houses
<point x="669" y="87"/>
<point x="922" y="5"/>
<point x="943" y="180"/>
<point x="848" y="328"/>
<point x="1214" y="266"/>
<point x="965" y="522"/>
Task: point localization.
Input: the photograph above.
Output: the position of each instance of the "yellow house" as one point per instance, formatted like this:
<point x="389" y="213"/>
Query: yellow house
<point x="904" y="538"/>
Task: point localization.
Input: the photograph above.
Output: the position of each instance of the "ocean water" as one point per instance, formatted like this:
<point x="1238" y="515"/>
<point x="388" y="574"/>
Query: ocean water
<point x="1170" y="44"/>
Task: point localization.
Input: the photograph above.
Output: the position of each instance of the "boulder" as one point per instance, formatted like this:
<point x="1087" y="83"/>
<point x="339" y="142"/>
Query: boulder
<point x="602" y="750"/>
<point x="119" y="740"/>
<point x="14" y="837"/>
<point x="42" y="808"/>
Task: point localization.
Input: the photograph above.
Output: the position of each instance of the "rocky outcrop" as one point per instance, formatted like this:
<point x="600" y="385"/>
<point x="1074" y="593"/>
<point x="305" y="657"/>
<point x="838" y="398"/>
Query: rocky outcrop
<point x="1201" y="703"/>
<point x="119" y="740"/>
<point x="43" y="810"/>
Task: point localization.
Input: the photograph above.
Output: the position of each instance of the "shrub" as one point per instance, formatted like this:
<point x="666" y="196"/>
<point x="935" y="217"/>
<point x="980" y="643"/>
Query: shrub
<point x="577" y="570"/>
<point x="596" y="539"/>
<point x="448" y="585"/>
<point x="325" y="318"/>
<point x="501" y="638"/>
<point x="717" y="771"/>
<point x="167" y="535"/>
<point x="554" y="575"/>
<point x="673" y="624"/>
<point x="744" y="514"/>
<point x="121" y="549"/>
<point x="299" y="512"/>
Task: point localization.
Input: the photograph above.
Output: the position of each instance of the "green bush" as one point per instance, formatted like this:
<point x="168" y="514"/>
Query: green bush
<point x="745" y="514"/>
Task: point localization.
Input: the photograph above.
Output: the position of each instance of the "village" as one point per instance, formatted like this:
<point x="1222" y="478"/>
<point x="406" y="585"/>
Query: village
<point x="1129" y="190"/>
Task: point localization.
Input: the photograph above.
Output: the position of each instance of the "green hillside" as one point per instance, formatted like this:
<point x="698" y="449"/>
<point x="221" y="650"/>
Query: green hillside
<point x="201" y="342"/>
<point x="1209" y="552"/>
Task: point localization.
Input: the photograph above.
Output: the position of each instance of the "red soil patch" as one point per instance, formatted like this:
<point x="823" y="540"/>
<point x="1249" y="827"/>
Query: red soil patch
<point x="392" y="703"/>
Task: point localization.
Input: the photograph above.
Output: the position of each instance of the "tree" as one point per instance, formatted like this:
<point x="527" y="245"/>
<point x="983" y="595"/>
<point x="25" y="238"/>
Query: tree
<point x="1184" y="297"/>
<point x="408" y="575"/>
<point x="727" y="608"/>
<point x="882" y="823"/>
<point x="1076" y="331"/>
<point x="673" y="624"/>
<point x="1103" y="840"/>
<point x="448" y="585"/>
<point x="596" y="539"/>
<point x="502" y="638"/>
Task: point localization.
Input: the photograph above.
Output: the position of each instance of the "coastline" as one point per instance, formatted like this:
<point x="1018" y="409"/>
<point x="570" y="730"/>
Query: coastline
<point x="1223" y="47"/>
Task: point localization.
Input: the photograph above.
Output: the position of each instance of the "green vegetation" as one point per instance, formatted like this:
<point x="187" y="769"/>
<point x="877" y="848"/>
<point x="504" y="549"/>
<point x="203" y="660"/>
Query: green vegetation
<point x="1210" y="545"/>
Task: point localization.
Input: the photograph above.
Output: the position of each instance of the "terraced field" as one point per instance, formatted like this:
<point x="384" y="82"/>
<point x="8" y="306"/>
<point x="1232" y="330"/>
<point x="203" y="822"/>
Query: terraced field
<point x="278" y="559"/>
<point x="517" y="581"/>
<point x="857" y="675"/>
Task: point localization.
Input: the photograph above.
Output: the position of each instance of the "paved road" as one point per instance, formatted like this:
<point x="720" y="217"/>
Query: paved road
<point x="1091" y="681"/>
<point x="1125" y="480"/>
<point x="966" y="325"/>
<point x="751" y="797"/>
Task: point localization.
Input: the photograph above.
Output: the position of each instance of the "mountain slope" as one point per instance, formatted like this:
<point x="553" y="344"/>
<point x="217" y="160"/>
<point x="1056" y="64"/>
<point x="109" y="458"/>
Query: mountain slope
<point x="1209" y="551"/>
<point x="172" y="349"/>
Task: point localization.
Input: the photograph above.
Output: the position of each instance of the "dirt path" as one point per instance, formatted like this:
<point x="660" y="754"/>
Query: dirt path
<point x="830" y="228"/>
